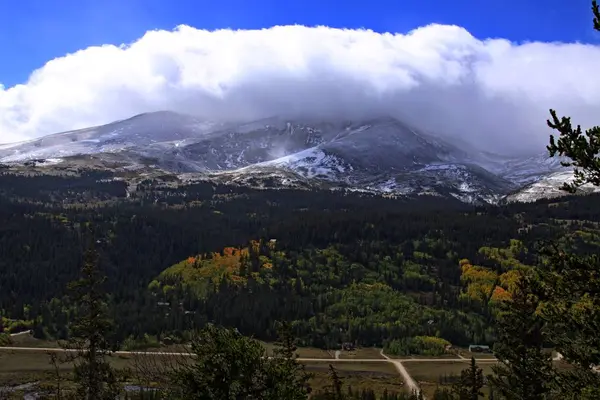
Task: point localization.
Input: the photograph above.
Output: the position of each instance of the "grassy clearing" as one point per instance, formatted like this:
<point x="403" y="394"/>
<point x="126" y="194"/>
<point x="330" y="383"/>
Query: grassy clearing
<point x="304" y="352"/>
<point x="18" y="378"/>
<point x="25" y="361"/>
<point x="429" y="389"/>
<point x="482" y="356"/>
<point x="362" y="354"/>
<point x="428" y="374"/>
<point x="30" y="341"/>
<point x="19" y="367"/>
<point x="377" y="376"/>
<point x="23" y="366"/>
<point x="38" y="361"/>
<point x="448" y="356"/>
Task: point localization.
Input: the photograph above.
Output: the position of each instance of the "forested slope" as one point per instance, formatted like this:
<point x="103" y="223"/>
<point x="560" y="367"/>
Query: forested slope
<point x="341" y="266"/>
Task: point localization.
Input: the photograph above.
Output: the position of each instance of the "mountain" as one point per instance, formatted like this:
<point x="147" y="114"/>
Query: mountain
<point x="377" y="155"/>
<point x="152" y="129"/>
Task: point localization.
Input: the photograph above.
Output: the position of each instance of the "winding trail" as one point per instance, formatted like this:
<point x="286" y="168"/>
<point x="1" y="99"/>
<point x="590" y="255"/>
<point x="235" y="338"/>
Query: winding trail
<point x="410" y="382"/>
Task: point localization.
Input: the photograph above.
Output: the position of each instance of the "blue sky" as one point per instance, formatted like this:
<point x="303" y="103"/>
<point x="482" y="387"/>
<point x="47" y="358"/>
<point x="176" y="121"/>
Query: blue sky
<point x="35" y="31"/>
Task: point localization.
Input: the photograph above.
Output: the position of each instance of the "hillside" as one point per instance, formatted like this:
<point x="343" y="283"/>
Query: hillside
<point x="343" y="266"/>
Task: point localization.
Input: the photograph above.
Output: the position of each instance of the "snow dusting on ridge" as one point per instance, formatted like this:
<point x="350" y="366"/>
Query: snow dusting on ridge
<point x="379" y="155"/>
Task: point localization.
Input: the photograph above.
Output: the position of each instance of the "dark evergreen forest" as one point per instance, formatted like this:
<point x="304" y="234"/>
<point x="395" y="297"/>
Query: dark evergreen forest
<point x="340" y="266"/>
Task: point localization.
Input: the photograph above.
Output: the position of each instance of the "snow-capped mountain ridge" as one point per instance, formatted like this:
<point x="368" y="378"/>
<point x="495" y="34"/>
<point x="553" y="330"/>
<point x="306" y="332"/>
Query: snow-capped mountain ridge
<point x="383" y="154"/>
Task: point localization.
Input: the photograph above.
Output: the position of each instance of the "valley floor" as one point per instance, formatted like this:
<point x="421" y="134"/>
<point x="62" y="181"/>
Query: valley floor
<point x="26" y="361"/>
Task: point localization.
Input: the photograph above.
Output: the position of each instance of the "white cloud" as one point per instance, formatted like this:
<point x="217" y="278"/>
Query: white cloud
<point x="437" y="77"/>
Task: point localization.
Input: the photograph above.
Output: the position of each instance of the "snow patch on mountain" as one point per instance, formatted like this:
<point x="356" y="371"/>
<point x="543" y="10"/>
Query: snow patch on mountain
<point x="310" y="163"/>
<point x="549" y="187"/>
<point x="531" y="169"/>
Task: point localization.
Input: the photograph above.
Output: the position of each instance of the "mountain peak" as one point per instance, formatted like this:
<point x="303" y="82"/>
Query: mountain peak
<point x="161" y="115"/>
<point x="379" y="154"/>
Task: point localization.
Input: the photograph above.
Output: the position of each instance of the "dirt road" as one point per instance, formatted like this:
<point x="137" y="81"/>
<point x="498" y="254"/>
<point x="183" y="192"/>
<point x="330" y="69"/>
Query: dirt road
<point x="411" y="384"/>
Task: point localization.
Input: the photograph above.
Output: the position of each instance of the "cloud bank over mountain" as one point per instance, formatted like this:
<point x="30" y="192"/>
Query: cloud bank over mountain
<point x="490" y="92"/>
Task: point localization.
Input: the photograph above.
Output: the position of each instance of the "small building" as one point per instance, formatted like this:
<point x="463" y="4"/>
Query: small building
<point x="479" y="348"/>
<point x="348" y="346"/>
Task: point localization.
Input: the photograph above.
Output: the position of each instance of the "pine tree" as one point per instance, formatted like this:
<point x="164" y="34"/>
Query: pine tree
<point x="581" y="148"/>
<point x="334" y="391"/>
<point x="571" y="290"/>
<point x="470" y="383"/>
<point x="570" y="283"/>
<point x="288" y="378"/>
<point x="336" y="384"/>
<point x="58" y="379"/>
<point x="90" y="330"/>
<point x="227" y="365"/>
<point x="524" y="371"/>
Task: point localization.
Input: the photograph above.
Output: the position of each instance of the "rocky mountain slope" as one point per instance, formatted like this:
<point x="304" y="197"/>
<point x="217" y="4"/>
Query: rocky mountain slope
<point x="380" y="155"/>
